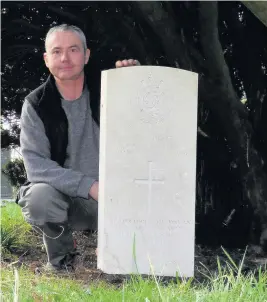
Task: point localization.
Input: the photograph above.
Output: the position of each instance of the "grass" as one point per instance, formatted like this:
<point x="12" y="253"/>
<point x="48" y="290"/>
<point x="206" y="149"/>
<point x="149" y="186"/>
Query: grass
<point x="225" y="287"/>
<point x="228" y="284"/>
<point x="15" y="232"/>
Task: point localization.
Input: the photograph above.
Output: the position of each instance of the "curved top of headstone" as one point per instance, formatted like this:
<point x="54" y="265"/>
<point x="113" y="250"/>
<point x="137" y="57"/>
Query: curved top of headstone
<point x="151" y="68"/>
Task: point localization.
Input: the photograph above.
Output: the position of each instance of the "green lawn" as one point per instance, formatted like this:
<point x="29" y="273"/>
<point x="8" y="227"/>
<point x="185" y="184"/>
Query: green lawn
<point x="28" y="287"/>
<point x="15" y="232"/>
<point x="22" y="285"/>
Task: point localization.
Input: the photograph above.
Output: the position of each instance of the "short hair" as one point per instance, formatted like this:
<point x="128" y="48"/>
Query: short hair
<point x="66" y="27"/>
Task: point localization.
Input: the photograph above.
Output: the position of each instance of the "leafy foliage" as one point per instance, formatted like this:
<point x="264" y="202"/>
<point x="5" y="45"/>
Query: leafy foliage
<point x="15" y="172"/>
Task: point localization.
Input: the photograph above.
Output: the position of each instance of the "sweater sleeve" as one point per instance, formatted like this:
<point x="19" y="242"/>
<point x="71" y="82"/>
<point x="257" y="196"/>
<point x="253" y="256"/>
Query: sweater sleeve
<point x="35" y="149"/>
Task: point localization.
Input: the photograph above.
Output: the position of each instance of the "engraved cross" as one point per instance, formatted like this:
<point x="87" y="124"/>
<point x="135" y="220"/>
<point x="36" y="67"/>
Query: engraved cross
<point x="150" y="181"/>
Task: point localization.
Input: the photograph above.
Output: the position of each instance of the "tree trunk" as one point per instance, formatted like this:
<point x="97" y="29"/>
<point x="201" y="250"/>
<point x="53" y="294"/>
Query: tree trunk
<point x="237" y="129"/>
<point x="217" y="91"/>
<point x="173" y="45"/>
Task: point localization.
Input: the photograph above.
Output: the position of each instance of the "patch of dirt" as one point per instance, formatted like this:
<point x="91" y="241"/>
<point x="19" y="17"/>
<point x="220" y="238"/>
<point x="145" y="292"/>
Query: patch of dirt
<point x="86" y="263"/>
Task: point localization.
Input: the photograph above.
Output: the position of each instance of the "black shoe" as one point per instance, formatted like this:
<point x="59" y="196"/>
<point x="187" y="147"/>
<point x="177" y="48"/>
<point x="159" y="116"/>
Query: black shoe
<point x="65" y="266"/>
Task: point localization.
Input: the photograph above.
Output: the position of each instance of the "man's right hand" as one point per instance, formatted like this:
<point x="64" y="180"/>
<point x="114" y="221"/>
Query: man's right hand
<point x="94" y="191"/>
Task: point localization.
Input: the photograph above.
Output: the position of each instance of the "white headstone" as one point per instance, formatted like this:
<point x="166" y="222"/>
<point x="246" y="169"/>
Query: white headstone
<point x="147" y="171"/>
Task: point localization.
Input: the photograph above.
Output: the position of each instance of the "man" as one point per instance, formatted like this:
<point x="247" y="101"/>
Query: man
<point x="60" y="145"/>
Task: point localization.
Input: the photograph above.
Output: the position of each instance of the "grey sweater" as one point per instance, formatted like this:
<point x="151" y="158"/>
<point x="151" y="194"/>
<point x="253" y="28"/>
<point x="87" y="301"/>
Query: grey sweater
<point x="80" y="169"/>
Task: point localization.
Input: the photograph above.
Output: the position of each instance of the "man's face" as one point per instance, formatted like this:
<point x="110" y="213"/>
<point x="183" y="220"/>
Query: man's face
<point x="65" y="56"/>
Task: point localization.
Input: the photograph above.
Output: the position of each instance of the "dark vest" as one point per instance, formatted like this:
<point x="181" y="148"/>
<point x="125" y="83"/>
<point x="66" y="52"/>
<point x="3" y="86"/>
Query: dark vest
<point x="46" y="100"/>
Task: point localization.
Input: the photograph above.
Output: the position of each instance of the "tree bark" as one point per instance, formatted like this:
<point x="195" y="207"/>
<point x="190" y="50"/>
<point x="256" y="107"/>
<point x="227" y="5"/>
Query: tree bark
<point x="164" y="26"/>
<point x="238" y="129"/>
<point x="217" y="91"/>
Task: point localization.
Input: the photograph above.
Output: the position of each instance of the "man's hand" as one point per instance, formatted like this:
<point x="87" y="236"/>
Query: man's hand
<point x="94" y="191"/>
<point x="127" y="63"/>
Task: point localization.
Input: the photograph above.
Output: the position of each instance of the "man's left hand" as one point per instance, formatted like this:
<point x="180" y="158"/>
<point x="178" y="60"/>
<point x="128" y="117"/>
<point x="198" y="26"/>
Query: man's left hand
<point x="127" y="63"/>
